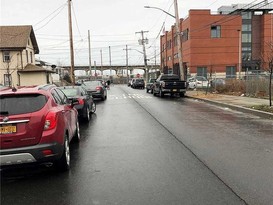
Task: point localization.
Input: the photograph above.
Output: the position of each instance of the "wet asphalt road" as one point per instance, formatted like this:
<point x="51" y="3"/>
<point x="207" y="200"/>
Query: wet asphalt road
<point x="141" y="149"/>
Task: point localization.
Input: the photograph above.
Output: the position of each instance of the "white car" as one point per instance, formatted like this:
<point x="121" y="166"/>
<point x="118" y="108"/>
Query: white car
<point x="198" y="82"/>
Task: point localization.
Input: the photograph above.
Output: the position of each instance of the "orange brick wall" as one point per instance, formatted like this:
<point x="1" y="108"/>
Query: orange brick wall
<point x="200" y="50"/>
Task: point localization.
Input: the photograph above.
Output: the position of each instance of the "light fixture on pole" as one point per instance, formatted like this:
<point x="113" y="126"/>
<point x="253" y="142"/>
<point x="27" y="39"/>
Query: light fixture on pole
<point x="177" y="26"/>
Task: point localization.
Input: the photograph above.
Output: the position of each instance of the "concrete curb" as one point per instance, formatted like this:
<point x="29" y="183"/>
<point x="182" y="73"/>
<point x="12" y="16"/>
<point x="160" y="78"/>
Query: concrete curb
<point x="259" y="113"/>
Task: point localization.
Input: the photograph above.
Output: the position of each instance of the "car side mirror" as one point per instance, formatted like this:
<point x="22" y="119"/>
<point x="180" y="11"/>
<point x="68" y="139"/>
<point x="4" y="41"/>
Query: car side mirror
<point x="74" y="101"/>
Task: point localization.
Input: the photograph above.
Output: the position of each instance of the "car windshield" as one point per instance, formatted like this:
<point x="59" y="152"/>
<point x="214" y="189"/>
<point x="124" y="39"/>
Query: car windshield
<point x="19" y="104"/>
<point x="70" y="92"/>
<point x="170" y="77"/>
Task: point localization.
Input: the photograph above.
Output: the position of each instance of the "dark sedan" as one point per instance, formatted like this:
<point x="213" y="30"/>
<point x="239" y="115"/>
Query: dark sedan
<point x="86" y="104"/>
<point x="96" y="88"/>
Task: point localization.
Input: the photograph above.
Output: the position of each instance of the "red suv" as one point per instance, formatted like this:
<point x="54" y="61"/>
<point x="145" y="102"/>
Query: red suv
<point x="37" y="124"/>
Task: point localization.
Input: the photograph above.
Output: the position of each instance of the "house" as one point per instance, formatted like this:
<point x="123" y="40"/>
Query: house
<point x="228" y="44"/>
<point x="18" y="47"/>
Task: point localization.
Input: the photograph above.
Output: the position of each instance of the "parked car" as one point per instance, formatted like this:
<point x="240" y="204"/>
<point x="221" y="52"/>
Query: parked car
<point x="150" y="85"/>
<point x="138" y="83"/>
<point x="86" y="104"/>
<point x="198" y="82"/>
<point x="169" y="83"/>
<point x="96" y="88"/>
<point x="37" y="124"/>
<point x="217" y="82"/>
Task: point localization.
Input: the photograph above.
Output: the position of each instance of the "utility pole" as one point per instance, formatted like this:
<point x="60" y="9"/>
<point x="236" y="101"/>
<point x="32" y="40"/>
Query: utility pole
<point x="101" y="63"/>
<point x="177" y="26"/>
<point x="240" y="51"/>
<point x="127" y="63"/>
<point x="143" y="42"/>
<point x="71" y="43"/>
<point x="95" y="67"/>
<point x="89" y="45"/>
<point x="110" y="63"/>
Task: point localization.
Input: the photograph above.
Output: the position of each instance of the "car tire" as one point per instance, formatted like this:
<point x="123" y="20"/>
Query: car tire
<point x="93" y="107"/>
<point x="77" y="136"/>
<point x="147" y="90"/>
<point x="182" y="94"/>
<point x="63" y="164"/>
<point x="87" y="118"/>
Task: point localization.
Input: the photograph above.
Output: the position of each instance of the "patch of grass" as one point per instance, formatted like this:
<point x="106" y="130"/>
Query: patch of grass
<point x="265" y="108"/>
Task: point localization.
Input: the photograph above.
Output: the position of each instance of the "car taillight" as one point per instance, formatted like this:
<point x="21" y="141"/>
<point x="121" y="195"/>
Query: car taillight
<point x="81" y="101"/>
<point x="98" y="88"/>
<point x="50" y="121"/>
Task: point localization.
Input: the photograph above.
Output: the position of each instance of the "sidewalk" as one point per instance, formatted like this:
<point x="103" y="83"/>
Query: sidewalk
<point x="239" y="103"/>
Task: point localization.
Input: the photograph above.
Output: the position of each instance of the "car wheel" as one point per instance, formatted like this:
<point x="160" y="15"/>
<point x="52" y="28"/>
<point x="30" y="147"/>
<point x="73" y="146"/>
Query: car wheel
<point x="93" y="107"/>
<point x="77" y="136"/>
<point x="63" y="164"/>
<point x="181" y="94"/>
<point x="87" y="118"/>
<point x="147" y="90"/>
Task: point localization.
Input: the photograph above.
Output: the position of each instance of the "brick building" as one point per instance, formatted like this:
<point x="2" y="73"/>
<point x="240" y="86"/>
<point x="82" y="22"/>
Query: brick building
<point x="227" y="44"/>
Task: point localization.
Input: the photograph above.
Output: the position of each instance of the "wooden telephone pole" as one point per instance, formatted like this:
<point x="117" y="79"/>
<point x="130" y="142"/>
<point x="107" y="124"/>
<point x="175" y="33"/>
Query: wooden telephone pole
<point x="71" y="43"/>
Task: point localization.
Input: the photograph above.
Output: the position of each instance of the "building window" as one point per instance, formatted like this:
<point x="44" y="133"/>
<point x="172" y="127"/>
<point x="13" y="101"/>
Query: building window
<point x="175" y="55"/>
<point x="246" y="48"/>
<point x="215" y="31"/>
<point x="246" y="15"/>
<point x="230" y="72"/>
<point x="27" y="55"/>
<point x="7" y="79"/>
<point x="169" y="44"/>
<point x="31" y="59"/>
<point x="169" y="58"/>
<point x="246" y="37"/>
<point x="202" y="71"/>
<point x="185" y="35"/>
<point x="246" y="27"/>
<point x="164" y="47"/>
<point x="6" y="56"/>
<point x="246" y="56"/>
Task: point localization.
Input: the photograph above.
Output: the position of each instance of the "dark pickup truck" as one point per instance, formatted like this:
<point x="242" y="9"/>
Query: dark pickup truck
<point x="169" y="83"/>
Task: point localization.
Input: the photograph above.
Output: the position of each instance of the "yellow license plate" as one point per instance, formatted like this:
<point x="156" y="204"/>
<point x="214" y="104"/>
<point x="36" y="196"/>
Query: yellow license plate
<point x="8" y="129"/>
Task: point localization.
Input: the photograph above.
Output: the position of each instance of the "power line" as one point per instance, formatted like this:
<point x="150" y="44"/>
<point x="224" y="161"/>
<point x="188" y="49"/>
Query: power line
<point x="76" y="21"/>
<point x="50" y="20"/>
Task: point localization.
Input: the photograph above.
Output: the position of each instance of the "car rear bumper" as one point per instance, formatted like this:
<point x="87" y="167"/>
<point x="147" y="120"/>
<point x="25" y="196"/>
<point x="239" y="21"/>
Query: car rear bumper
<point x="173" y="90"/>
<point x="31" y="154"/>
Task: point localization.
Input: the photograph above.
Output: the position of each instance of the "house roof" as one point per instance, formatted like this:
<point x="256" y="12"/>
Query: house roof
<point x="16" y="37"/>
<point x="34" y="68"/>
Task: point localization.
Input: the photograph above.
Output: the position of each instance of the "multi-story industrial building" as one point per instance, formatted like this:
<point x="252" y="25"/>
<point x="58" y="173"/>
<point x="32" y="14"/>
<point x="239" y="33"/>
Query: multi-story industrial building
<point x="239" y="38"/>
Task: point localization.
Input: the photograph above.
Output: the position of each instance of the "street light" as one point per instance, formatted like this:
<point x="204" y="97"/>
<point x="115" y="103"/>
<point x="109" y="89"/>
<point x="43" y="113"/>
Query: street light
<point x="177" y="26"/>
<point x="152" y="7"/>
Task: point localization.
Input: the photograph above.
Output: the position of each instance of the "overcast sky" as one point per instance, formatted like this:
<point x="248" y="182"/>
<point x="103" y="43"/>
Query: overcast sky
<point x="111" y="23"/>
